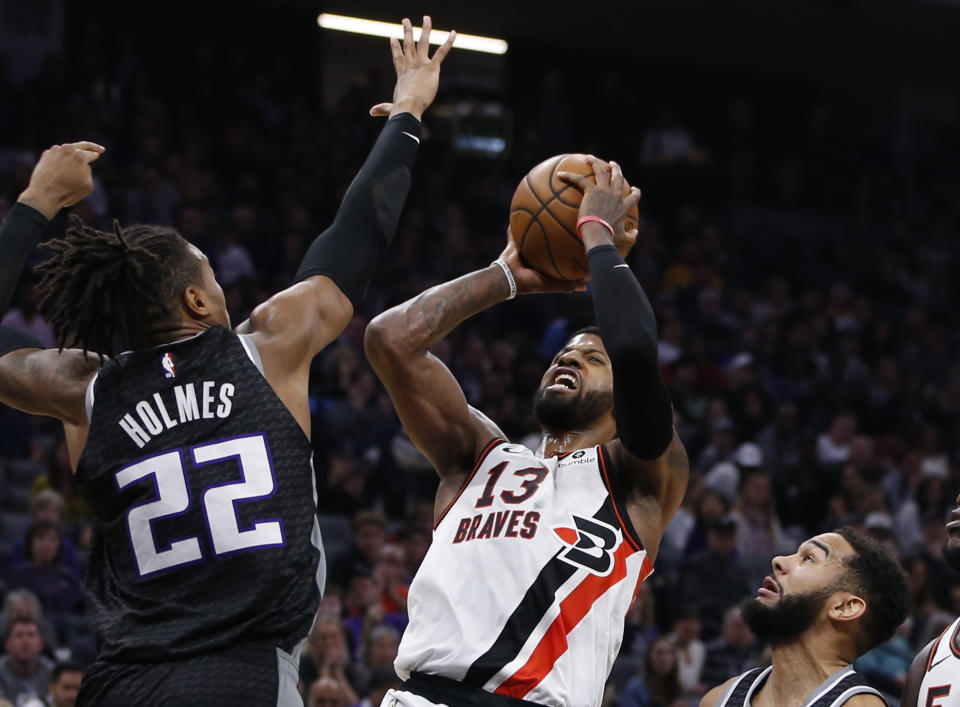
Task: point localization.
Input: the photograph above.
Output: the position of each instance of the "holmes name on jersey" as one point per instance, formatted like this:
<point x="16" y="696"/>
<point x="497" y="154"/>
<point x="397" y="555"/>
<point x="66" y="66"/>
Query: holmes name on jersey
<point x="192" y="402"/>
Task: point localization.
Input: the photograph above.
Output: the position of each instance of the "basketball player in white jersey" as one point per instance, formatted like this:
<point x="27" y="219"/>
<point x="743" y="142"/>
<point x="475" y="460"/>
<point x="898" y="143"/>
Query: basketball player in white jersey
<point x="934" y="677"/>
<point x="536" y="555"/>
<point x="836" y="598"/>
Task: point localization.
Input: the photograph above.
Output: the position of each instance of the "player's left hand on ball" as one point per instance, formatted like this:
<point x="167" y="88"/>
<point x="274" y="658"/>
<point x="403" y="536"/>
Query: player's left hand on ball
<point x="530" y="281"/>
<point x="418" y="75"/>
<point x="605" y="199"/>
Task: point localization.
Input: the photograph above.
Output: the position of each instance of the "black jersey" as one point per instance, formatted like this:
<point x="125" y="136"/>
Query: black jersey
<point x="201" y="483"/>
<point x="832" y="692"/>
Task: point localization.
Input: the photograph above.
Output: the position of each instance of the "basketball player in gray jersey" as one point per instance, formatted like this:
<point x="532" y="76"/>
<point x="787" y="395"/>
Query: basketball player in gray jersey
<point x="193" y="448"/>
<point x="836" y="598"/>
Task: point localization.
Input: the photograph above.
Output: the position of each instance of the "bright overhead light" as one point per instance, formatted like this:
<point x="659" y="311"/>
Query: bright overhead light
<point x="490" y="45"/>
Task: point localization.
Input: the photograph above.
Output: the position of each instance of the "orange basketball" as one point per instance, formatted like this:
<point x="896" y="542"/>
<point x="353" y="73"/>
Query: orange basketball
<point x="543" y="218"/>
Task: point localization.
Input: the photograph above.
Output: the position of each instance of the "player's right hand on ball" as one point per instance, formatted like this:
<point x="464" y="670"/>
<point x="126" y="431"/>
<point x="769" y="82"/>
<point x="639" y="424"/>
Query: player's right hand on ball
<point x="418" y="76"/>
<point x="530" y="281"/>
<point x="605" y="199"/>
<point x="62" y="177"/>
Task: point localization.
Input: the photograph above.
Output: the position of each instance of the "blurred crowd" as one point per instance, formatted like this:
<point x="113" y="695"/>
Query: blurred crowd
<point x="797" y="251"/>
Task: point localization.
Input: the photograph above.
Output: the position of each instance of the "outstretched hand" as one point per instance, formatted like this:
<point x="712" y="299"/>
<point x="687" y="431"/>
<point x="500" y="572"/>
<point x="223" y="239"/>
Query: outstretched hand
<point x="530" y="281"/>
<point x="61" y="177"/>
<point x="418" y="75"/>
<point x="605" y="199"/>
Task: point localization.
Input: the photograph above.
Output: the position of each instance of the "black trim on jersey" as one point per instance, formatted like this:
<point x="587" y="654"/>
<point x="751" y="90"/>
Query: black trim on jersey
<point x="463" y="487"/>
<point x="619" y="506"/>
<point x="540" y="596"/>
<point x="445" y="691"/>
<point x="933" y="649"/>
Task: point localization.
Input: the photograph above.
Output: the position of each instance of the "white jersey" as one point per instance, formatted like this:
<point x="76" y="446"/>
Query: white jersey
<point x="941" y="680"/>
<point x="524" y="590"/>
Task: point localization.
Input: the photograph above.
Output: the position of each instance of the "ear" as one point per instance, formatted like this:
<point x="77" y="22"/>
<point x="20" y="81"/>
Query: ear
<point x="195" y="302"/>
<point x="845" y="606"/>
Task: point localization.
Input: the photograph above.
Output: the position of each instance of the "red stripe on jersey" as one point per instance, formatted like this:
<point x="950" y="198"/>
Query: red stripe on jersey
<point x="483" y="455"/>
<point x="572" y="610"/>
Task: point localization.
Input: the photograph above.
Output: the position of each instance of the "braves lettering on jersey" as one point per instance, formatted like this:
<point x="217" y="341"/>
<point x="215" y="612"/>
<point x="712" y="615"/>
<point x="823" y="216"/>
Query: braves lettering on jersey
<point x="528" y="579"/>
<point x="941" y="681"/>
<point x="832" y="692"/>
<point x="202" y="486"/>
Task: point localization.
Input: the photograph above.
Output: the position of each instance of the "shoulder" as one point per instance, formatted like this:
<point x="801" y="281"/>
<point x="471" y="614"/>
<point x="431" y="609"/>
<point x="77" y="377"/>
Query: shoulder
<point x="713" y="696"/>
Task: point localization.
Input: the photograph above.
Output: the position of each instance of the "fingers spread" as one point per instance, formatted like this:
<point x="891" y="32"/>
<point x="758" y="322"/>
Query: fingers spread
<point x="86" y="145"/>
<point x="423" y="46"/>
<point x="600" y="171"/>
<point x="409" y="50"/>
<point x="575" y="180"/>
<point x="397" y="54"/>
<point x="444" y="49"/>
<point x="616" y="176"/>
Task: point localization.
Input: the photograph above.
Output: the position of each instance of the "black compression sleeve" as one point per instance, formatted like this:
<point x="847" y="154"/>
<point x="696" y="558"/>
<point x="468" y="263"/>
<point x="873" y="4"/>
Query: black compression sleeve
<point x="19" y="235"/>
<point x="641" y="400"/>
<point x="11" y="340"/>
<point x="348" y="251"/>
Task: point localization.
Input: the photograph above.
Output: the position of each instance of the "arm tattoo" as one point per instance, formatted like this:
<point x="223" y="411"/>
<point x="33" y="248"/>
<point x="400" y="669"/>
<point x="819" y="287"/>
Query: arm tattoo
<point x="441" y="308"/>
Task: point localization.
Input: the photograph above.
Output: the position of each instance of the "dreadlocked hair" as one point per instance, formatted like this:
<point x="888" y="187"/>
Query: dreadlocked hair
<point x="100" y="287"/>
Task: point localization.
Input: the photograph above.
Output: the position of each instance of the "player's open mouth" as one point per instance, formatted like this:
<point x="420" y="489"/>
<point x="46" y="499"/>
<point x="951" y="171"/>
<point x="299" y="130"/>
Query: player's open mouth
<point x="769" y="588"/>
<point x="564" y="379"/>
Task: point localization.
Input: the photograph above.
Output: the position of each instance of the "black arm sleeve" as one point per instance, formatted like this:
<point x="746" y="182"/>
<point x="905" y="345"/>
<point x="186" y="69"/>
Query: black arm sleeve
<point x="348" y="251"/>
<point x="641" y="400"/>
<point x="19" y="235"/>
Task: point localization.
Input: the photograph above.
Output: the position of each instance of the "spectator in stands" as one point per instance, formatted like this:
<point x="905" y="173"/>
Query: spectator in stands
<point x="23" y="604"/>
<point x="711" y="506"/>
<point x="715" y="580"/>
<point x="833" y="446"/>
<point x="369" y="536"/>
<point x="24" y="672"/>
<point x="365" y="612"/>
<point x="44" y="573"/>
<point x="640" y="628"/>
<point x="25" y="317"/>
<point x="759" y="536"/>
<point x="732" y="653"/>
<point x="390" y="573"/>
<point x="327" y="692"/>
<point x="65" y="684"/>
<point x="60" y="478"/>
<point x="47" y="506"/>
<point x="691" y="652"/>
<point x="659" y="684"/>
<point x="328" y="655"/>
<point x="380" y="682"/>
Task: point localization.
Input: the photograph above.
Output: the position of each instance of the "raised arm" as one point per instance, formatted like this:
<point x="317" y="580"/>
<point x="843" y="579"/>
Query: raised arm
<point x="294" y="325"/>
<point x="428" y="399"/>
<point x="32" y="379"/>
<point x="647" y="454"/>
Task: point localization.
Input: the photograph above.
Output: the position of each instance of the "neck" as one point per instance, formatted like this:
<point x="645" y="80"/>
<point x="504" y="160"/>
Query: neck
<point x="24" y="667"/>
<point x="799" y="667"/>
<point x="556" y="442"/>
<point x="168" y="333"/>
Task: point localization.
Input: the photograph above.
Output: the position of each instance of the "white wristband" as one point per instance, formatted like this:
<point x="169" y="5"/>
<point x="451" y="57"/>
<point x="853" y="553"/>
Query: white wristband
<point x="510" y="280"/>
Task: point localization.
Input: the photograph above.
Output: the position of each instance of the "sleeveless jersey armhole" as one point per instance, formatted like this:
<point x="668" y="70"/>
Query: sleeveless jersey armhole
<point x="466" y="482"/>
<point x="88" y="397"/>
<point x="619" y="504"/>
<point x="253" y="354"/>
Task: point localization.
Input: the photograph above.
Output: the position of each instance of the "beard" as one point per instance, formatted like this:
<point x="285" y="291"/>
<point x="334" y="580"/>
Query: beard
<point x="786" y="620"/>
<point x="560" y="412"/>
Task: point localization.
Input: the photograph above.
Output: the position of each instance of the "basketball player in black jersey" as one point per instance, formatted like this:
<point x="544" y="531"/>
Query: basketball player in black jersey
<point x="193" y="449"/>
<point x="836" y="598"/>
<point x="603" y="388"/>
<point x="949" y="692"/>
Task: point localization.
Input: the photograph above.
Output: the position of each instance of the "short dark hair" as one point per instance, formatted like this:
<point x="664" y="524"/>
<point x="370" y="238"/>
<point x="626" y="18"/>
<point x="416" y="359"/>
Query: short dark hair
<point x="592" y="329"/>
<point x="103" y="286"/>
<point x="35" y="529"/>
<point x="880" y="580"/>
<point x="65" y="666"/>
<point x="13" y="623"/>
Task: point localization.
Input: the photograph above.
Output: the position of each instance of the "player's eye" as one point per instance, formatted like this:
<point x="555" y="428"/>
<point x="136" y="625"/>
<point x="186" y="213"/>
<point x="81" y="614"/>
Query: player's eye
<point x="594" y="359"/>
<point x="807" y="557"/>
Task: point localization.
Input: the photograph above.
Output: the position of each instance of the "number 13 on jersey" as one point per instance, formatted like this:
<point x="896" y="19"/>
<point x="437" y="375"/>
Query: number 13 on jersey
<point x="168" y="474"/>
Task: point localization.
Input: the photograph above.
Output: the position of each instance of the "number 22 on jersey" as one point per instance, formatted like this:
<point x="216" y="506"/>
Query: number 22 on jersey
<point x="169" y="476"/>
